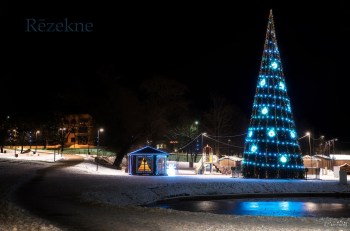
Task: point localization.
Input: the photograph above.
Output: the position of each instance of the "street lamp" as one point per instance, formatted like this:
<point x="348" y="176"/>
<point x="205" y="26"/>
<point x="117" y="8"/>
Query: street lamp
<point x="98" y="144"/>
<point x="228" y="141"/>
<point x="334" y="145"/>
<point x="203" y="153"/>
<point x="30" y="140"/>
<point x="36" y="140"/>
<point x="62" y="139"/>
<point x="197" y="148"/>
<point x="15" y="141"/>
<point x="196" y="123"/>
<point x="309" y="134"/>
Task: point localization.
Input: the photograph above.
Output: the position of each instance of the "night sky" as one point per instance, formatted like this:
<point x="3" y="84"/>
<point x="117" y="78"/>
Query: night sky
<point x="209" y="47"/>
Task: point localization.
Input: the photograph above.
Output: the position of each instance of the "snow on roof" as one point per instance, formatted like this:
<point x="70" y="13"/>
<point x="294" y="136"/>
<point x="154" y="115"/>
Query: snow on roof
<point x="231" y="158"/>
<point x="323" y="156"/>
<point x="307" y="157"/>
<point x="340" y="157"/>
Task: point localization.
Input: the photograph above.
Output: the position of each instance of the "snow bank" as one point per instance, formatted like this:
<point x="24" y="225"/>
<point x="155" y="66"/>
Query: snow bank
<point x="124" y="189"/>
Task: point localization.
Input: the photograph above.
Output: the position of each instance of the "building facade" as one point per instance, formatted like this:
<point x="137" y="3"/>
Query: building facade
<point x="78" y="130"/>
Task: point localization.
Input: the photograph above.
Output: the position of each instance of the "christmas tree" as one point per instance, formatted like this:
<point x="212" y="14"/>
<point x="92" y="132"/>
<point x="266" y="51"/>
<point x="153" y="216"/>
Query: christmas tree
<point x="271" y="148"/>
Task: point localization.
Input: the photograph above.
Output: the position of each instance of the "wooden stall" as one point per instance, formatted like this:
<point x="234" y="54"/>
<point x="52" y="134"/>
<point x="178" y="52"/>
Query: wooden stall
<point x="147" y="161"/>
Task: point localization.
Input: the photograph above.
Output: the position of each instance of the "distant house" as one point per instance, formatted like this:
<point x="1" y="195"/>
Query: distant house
<point x="79" y="129"/>
<point x="332" y="160"/>
<point x="311" y="161"/>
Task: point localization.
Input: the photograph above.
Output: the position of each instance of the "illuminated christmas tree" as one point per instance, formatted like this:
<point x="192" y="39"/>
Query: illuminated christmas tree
<point x="271" y="148"/>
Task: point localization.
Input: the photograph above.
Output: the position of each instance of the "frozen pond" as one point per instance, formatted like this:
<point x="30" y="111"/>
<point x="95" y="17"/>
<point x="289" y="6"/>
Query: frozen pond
<point x="291" y="207"/>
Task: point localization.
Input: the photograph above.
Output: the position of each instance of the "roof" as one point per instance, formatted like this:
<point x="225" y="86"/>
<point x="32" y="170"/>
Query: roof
<point x="234" y="158"/>
<point x="148" y="150"/>
<point x="307" y="157"/>
<point x="340" y="157"/>
<point x="345" y="165"/>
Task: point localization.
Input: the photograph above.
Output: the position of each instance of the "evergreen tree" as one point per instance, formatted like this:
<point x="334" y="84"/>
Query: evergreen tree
<point x="271" y="147"/>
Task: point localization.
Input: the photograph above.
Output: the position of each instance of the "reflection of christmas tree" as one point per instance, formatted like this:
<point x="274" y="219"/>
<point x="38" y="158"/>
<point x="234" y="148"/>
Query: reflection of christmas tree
<point x="271" y="147"/>
<point x="144" y="166"/>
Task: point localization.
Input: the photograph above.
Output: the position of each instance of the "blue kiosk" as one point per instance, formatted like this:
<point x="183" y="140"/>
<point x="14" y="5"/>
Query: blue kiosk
<point x="147" y="161"/>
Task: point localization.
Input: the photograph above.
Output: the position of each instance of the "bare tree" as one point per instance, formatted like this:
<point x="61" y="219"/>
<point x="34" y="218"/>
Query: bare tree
<point x="223" y="119"/>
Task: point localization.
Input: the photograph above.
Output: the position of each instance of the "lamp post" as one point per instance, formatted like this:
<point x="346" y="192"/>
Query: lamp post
<point x="228" y="141"/>
<point x="15" y="140"/>
<point x="203" y="155"/>
<point x="203" y="134"/>
<point x="320" y="149"/>
<point x="98" y="144"/>
<point x="198" y="147"/>
<point x="309" y="135"/>
<point x="196" y="123"/>
<point x="62" y="139"/>
<point x="321" y="144"/>
<point x="333" y="140"/>
<point x="30" y="140"/>
<point x="36" y="140"/>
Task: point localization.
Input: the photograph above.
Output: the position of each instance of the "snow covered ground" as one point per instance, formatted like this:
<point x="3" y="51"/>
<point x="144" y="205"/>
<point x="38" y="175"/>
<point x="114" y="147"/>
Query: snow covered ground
<point x="124" y="192"/>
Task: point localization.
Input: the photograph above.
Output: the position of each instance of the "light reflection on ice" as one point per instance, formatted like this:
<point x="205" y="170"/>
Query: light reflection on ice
<point x="279" y="207"/>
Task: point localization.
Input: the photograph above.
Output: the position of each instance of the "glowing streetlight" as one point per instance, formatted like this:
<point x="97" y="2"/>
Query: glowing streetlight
<point x="198" y="148"/>
<point x="309" y="135"/>
<point x="203" y="153"/>
<point x="62" y="139"/>
<point x="228" y="142"/>
<point x="98" y="144"/>
<point x="36" y="140"/>
<point x="30" y="140"/>
<point x="14" y="136"/>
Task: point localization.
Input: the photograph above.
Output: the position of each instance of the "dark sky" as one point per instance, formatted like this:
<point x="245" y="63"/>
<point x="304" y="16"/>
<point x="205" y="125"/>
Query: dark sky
<point x="210" y="47"/>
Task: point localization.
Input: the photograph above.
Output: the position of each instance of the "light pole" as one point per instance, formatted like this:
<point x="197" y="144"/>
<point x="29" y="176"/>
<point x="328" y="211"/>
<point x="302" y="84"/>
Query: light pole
<point x="333" y="140"/>
<point x="320" y="149"/>
<point x="228" y="141"/>
<point x="321" y="144"/>
<point x="15" y="140"/>
<point x="36" y="140"/>
<point x="309" y="134"/>
<point x="62" y="139"/>
<point x="30" y="140"/>
<point x="197" y="148"/>
<point x="196" y="123"/>
<point x="98" y="144"/>
<point x="203" y="155"/>
<point x="203" y="134"/>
